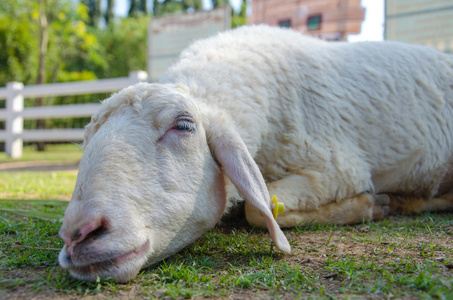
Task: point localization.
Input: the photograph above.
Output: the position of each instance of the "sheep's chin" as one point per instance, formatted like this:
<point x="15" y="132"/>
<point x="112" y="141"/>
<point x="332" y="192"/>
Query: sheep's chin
<point x="122" y="268"/>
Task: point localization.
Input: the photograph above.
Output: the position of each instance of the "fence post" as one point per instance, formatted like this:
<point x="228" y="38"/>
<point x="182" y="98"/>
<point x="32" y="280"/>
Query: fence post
<point x="14" y="122"/>
<point x="138" y="76"/>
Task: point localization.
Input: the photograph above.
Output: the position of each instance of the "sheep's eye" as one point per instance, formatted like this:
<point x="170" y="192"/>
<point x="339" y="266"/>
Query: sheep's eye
<point x="184" y="125"/>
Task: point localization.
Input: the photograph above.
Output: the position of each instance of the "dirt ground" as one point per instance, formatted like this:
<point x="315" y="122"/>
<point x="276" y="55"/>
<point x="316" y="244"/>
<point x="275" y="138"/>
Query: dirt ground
<point x="310" y="251"/>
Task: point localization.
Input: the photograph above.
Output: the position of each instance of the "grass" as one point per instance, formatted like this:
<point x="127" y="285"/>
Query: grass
<point x="239" y="262"/>
<point x="399" y="257"/>
<point x="57" y="153"/>
<point x="40" y="185"/>
<point x="225" y="262"/>
<point x="37" y="185"/>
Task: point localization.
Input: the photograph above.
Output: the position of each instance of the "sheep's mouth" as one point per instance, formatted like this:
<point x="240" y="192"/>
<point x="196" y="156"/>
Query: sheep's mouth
<point x="106" y="267"/>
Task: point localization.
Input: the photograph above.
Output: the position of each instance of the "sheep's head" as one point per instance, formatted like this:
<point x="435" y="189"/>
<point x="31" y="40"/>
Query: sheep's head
<point x="151" y="181"/>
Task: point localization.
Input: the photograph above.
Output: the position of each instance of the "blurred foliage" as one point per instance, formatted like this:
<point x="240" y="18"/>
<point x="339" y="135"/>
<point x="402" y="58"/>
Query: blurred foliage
<point x="18" y="46"/>
<point x="79" y="48"/>
<point x="94" y="11"/>
<point x="136" y="7"/>
<point x="171" y="6"/>
<point x="84" y="43"/>
<point x="71" y="48"/>
<point x="239" y="18"/>
<point x="124" y="46"/>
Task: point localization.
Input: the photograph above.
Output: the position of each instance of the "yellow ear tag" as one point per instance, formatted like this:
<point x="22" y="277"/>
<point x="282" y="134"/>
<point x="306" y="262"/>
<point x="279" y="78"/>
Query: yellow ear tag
<point x="277" y="207"/>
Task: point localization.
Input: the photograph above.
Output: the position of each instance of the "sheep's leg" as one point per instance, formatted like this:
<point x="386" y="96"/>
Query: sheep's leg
<point x="302" y="204"/>
<point x="409" y="205"/>
<point x="364" y="207"/>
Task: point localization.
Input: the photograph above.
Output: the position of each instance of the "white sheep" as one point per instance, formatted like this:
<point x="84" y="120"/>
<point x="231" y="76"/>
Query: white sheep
<point x="336" y="130"/>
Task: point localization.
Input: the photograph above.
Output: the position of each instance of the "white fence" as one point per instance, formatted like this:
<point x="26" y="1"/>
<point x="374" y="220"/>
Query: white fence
<point x="14" y="114"/>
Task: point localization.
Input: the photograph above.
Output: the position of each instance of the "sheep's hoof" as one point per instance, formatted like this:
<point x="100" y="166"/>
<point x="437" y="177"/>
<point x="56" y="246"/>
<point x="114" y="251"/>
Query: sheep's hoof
<point x="381" y="207"/>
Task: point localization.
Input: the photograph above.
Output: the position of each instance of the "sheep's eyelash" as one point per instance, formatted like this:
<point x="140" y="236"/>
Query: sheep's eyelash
<point x="184" y="124"/>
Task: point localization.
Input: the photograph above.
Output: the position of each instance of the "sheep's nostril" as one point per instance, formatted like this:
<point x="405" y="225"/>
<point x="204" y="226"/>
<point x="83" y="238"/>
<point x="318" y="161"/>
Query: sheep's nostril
<point x="76" y="236"/>
<point x="91" y="230"/>
<point x="98" y="232"/>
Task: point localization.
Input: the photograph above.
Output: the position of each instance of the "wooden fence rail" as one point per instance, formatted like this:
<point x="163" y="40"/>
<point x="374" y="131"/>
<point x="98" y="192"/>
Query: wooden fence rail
<point x="14" y="114"/>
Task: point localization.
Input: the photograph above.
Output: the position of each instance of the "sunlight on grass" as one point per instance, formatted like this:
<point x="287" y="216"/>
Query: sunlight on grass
<point x="37" y="185"/>
<point x="61" y="153"/>
<point x="399" y="257"/>
<point x="41" y="185"/>
<point x="238" y="262"/>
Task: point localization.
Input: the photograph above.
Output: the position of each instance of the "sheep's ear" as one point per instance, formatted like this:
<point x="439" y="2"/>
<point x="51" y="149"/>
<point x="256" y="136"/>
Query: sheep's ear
<point x="236" y="161"/>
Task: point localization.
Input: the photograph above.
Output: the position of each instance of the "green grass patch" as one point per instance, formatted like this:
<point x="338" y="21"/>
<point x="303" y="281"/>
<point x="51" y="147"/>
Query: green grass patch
<point x="42" y="185"/>
<point x="242" y="263"/>
<point x="34" y="232"/>
<point x="399" y="257"/>
<point x="37" y="185"/>
<point x="55" y="153"/>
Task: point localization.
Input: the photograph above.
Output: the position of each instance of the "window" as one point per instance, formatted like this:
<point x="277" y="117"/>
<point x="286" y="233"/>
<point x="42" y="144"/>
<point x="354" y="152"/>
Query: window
<point x="285" y="23"/>
<point x="314" y="22"/>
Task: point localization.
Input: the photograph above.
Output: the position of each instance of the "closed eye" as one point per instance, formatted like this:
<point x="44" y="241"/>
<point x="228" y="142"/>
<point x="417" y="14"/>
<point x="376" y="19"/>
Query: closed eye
<point x="184" y="124"/>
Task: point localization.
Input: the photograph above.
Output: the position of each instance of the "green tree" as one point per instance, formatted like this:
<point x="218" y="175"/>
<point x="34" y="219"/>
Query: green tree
<point x="109" y="13"/>
<point x="194" y="4"/>
<point x="94" y="11"/>
<point x="18" y="44"/>
<point x="46" y="41"/>
<point x="137" y="7"/>
<point x="124" y="46"/>
<point x="143" y="6"/>
<point x="239" y="19"/>
<point x="173" y="6"/>
<point x="216" y="3"/>
<point x="133" y="9"/>
<point x="69" y="47"/>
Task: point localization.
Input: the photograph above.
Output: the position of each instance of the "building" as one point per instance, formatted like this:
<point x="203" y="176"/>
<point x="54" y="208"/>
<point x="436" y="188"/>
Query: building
<point x="327" y="19"/>
<point x="169" y="35"/>
<point x="421" y="22"/>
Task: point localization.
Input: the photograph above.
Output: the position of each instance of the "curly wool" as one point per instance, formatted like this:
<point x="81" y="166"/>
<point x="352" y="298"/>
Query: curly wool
<point x="370" y="116"/>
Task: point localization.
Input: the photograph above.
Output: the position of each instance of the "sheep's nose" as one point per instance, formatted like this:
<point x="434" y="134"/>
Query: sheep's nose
<point x="90" y="230"/>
